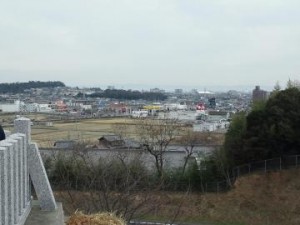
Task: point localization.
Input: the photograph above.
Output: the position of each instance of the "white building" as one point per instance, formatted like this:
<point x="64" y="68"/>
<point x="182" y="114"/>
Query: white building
<point x="12" y="107"/>
<point x="174" y="106"/>
<point x="139" y="113"/>
<point x="44" y="108"/>
<point x="32" y="107"/>
<point x="211" y="126"/>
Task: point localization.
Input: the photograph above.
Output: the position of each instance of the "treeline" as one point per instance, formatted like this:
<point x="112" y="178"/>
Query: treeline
<point x="80" y="171"/>
<point x="118" y="183"/>
<point x="19" y="87"/>
<point x="129" y="95"/>
<point x="270" y="130"/>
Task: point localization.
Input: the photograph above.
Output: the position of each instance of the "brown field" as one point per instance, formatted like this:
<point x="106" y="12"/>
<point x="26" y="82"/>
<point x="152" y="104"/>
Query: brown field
<point x="85" y="130"/>
<point x="88" y="130"/>
<point x="82" y="130"/>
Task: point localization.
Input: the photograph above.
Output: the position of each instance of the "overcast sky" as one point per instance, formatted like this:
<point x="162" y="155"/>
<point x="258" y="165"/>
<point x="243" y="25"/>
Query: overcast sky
<point x="188" y="43"/>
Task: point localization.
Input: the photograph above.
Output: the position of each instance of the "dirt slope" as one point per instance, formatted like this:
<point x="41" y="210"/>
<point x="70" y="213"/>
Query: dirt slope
<point x="258" y="199"/>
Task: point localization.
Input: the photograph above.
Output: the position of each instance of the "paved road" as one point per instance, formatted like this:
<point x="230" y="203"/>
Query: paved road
<point x="159" y="223"/>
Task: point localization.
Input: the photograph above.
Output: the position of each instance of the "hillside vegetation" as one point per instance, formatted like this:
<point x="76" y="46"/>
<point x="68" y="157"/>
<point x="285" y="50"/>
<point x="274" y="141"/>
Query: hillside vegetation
<point x="270" y="130"/>
<point x="259" y="199"/>
<point x="272" y="198"/>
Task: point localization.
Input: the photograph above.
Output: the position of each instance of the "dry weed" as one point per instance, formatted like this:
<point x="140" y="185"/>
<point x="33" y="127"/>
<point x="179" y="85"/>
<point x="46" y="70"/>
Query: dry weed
<point x="78" y="218"/>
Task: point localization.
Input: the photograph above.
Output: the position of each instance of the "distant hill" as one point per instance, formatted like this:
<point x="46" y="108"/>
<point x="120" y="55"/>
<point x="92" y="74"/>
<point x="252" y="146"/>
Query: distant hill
<point x="19" y="87"/>
<point x="129" y="95"/>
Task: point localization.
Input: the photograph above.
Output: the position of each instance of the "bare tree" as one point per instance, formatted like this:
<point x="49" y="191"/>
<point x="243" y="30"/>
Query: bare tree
<point x="293" y="84"/>
<point x="189" y="140"/>
<point x="155" y="136"/>
<point x="121" y="129"/>
<point x="116" y="183"/>
<point x="223" y="164"/>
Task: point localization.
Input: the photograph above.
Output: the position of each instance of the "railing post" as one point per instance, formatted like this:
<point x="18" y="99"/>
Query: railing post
<point x="10" y="182"/>
<point x="15" y="172"/>
<point x="36" y="167"/>
<point x="3" y="186"/>
<point x="22" y="125"/>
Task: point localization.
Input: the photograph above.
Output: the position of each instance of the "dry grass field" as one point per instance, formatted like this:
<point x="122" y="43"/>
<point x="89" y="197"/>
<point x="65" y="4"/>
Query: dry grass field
<point x="81" y="130"/>
<point x="88" y="130"/>
<point x="85" y="130"/>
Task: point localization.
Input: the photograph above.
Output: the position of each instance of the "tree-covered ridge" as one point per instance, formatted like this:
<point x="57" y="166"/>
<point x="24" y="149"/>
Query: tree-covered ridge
<point x="129" y="95"/>
<point x="19" y="87"/>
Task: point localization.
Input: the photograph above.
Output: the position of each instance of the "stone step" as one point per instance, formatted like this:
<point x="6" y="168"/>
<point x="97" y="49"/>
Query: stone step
<point x="39" y="217"/>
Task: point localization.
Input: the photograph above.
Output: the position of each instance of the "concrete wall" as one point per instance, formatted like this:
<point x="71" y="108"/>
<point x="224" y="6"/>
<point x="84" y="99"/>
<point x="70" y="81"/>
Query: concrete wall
<point x="10" y="107"/>
<point x="174" y="157"/>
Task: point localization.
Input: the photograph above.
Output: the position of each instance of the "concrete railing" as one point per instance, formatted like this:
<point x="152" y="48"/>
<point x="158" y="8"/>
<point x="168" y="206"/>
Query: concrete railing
<point x="15" y="194"/>
<point x="19" y="161"/>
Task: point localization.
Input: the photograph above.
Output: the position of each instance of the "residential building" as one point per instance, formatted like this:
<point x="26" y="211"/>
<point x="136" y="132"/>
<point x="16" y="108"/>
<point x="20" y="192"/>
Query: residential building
<point x="259" y="94"/>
